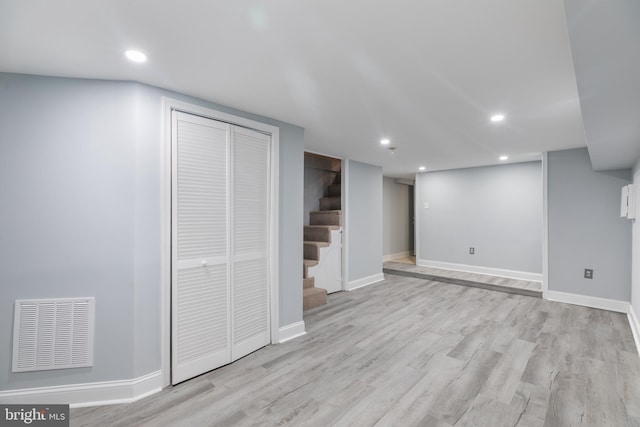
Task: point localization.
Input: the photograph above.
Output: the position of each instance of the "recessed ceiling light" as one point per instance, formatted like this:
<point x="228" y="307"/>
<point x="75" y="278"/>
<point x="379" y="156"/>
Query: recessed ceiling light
<point x="384" y="141"/>
<point x="503" y="158"/>
<point x="136" y="56"/>
<point x="422" y="168"/>
<point x="497" y="117"/>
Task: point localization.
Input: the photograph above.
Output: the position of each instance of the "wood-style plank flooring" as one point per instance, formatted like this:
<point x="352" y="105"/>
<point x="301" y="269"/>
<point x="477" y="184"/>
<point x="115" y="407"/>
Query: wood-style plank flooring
<point x="409" y="352"/>
<point x="485" y="281"/>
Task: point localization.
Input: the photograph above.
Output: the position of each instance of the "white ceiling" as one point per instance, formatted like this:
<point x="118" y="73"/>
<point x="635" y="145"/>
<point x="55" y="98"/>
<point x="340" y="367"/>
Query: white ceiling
<point x="426" y="74"/>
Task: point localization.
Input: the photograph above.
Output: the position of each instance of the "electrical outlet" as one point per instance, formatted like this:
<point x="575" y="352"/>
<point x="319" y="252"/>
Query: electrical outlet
<point x="588" y="273"/>
<point x="472" y="251"/>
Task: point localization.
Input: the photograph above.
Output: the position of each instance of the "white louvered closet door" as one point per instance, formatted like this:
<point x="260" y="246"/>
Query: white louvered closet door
<point x="250" y="241"/>
<point x="200" y="246"/>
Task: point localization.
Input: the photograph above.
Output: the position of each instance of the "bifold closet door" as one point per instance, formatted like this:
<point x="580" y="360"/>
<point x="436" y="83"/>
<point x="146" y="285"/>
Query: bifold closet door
<point x="250" y="241"/>
<point x="200" y="299"/>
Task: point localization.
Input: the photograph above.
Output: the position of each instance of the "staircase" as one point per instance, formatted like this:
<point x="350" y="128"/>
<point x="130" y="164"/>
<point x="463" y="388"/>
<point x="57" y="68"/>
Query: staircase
<point x="323" y="224"/>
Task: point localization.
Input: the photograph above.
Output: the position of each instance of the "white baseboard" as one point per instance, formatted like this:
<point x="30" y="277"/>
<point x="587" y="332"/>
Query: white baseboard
<point x="635" y="327"/>
<point x="365" y="281"/>
<point x="511" y="274"/>
<point x="390" y="257"/>
<point x="588" y="301"/>
<point x="291" y="331"/>
<point x="88" y="394"/>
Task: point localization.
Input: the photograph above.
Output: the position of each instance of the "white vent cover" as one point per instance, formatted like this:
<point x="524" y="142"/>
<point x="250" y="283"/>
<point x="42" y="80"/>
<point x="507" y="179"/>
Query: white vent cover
<point x="53" y="334"/>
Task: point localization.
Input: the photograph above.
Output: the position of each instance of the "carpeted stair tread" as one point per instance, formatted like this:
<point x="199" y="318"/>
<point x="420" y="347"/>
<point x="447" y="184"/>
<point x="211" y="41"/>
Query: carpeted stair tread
<point x="312" y="249"/>
<point x="313" y="297"/>
<point x="332" y="217"/>
<point x="319" y="233"/>
<point x="308" y="282"/>
<point x="329" y="211"/>
<point x="334" y="190"/>
<point x="317" y="243"/>
<point x="310" y="262"/>
<point x="330" y="203"/>
<point x="306" y="264"/>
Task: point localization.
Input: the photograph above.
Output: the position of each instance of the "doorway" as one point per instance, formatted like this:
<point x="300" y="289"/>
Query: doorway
<point x="323" y="226"/>
<point x="412" y="222"/>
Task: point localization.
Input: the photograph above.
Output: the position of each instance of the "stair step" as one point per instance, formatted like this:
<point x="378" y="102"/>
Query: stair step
<point x="330" y="203"/>
<point x="318" y="233"/>
<point x="308" y="282"/>
<point x="335" y="190"/>
<point x="313" y="297"/>
<point x="333" y="217"/>
<point x="308" y="263"/>
<point x="312" y="249"/>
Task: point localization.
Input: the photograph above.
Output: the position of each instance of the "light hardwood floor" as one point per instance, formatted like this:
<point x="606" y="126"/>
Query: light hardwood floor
<point x="407" y="352"/>
<point x="485" y="281"/>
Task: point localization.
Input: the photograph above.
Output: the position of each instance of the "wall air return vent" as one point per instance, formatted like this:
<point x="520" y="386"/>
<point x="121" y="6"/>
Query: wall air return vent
<point x="53" y="334"/>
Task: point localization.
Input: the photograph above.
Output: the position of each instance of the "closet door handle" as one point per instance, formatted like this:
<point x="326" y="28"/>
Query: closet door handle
<point x="204" y="263"/>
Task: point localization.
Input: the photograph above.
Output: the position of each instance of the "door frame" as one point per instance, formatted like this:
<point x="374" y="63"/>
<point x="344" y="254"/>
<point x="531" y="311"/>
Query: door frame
<point x="169" y="105"/>
<point x="343" y="205"/>
<point x="416" y="212"/>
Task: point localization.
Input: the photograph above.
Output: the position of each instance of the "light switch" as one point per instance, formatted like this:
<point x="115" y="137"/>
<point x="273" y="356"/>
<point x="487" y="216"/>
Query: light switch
<point x="426" y="205"/>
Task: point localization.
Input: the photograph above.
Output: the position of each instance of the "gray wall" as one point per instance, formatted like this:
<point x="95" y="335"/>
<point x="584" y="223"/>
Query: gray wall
<point x="585" y="228"/>
<point x="364" y="220"/>
<point x="68" y="188"/>
<point x="395" y="216"/>
<point x="80" y="162"/>
<point x="635" y="247"/>
<point x="495" y="209"/>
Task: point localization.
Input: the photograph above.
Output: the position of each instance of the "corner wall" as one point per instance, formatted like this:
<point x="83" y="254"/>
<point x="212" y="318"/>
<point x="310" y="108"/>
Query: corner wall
<point x="363" y="224"/>
<point x="635" y="251"/>
<point x="585" y="228"/>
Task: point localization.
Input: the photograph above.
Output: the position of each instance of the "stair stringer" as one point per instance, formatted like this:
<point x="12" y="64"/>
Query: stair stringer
<point x="328" y="273"/>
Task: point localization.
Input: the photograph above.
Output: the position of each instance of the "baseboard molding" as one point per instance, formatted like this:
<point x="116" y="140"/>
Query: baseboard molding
<point x="511" y="274"/>
<point x="588" y="301"/>
<point x="365" y="281"/>
<point x="635" y="327"/>
<point x="88" y="394"/>
<point x="291" y="331"/>
<point x="391" y="257"/>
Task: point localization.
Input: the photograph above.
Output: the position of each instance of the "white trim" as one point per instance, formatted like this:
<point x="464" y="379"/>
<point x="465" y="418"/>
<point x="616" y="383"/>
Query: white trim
<point x="511" y="274"/>
<point x="274" y="227"/>
<point x="88" y="394"/>
<point x="416" y="217"/>
<point x="390" y="257"/>
<point x="291" y="331"/>
<point x="635" y="327"/>
<point x="345" y="220"/>
<point x="169" y="104"/>
<point x="165" y="308"/>
<point x="545" y="224"/>
<point x="365" y="281"/>
<point x="588" y="301"/>
<point x="317" y="153"/>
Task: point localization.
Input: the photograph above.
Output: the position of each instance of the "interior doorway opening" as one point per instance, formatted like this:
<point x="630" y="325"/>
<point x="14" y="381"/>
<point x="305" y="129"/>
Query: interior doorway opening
<point x="323" y="226"/>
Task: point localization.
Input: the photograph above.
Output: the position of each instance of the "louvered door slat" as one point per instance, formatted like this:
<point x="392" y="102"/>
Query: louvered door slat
<point x="250" y="292"/>
<point x="200" y="285"/>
